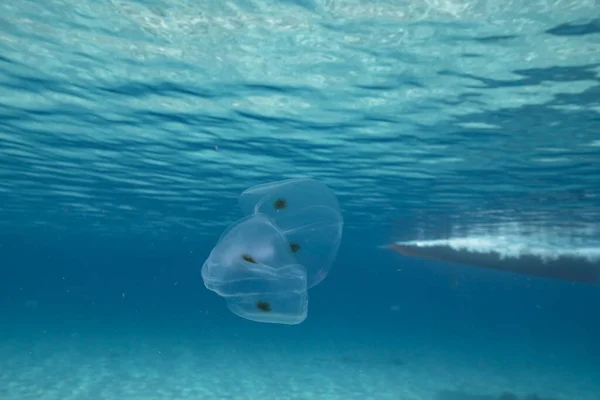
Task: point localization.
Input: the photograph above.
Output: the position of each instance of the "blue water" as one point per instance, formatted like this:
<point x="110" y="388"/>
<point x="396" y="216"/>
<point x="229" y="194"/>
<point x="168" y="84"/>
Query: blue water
<point x="128" y="129"/>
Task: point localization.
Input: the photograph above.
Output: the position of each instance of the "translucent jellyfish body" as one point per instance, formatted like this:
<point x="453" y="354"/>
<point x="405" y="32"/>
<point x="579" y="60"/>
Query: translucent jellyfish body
<point x="308" y="214"/>
<point x="264" y="264"/>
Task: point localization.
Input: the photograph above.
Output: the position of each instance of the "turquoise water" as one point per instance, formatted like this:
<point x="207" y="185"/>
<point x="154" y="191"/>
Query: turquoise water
<point x="129" y="129"/>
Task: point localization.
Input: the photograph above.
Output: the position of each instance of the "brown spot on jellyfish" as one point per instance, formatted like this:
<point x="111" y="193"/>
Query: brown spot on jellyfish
<point x="249" y="258"/>
<point x="263" y="306"/>
<point x="294" y="247"/>
<point x="280" y="204"/>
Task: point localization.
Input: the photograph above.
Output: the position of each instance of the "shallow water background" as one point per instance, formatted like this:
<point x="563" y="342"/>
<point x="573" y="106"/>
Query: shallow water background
<point x="129" y="128"/>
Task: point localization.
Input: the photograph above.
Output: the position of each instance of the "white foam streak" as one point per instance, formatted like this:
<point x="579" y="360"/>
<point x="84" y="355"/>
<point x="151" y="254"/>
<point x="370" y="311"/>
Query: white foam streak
<point x="544" y="245"/>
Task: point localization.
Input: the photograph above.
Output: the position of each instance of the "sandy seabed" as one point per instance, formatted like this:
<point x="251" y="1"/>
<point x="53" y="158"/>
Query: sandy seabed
<point x="123" y="367"/>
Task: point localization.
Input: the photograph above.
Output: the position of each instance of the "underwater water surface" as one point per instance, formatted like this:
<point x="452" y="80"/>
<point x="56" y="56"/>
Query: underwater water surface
<point x="129" y="129"/>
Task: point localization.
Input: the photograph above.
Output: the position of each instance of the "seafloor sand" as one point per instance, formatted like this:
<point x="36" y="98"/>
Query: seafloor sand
<point x="119" y="366"/>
